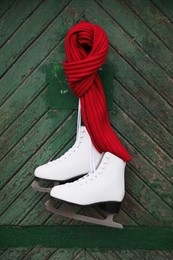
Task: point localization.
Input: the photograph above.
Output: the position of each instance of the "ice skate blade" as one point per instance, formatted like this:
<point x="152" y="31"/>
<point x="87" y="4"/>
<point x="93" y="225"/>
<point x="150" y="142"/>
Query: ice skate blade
<point x="35" y="185"/>
<point x="108" y="221"/>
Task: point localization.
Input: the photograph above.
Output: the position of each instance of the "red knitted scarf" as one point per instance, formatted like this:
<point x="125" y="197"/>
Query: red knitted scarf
<point x="86" y="47"/>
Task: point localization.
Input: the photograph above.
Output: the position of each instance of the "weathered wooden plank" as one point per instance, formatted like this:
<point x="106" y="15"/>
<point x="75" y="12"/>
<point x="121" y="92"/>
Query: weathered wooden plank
<point x="14" y="254"/>
<point x="135" y="210"/>
<point x="34" y="211"/>
<point x="156" y="181"/>
<point x="129" y="254"/>
<point x="84" y="254"/>
<point x="15" y="17"/>
<point x="149" y="200"/>
<point x="39" y="253"/>
<point x="98" y="253"/>
<point x="103" y="254"/>
<point x="40" y="51"/>
<point x="167" y="9"/>
<point x="150" y="175"/>
<point x="65" y="254"/>
<point x="37" y="213"/>
<point x="145" y="120"/>
<point x="136" y="138"/>
<point x="169" y="254"/>
<point x="25" y="94"/>
<point x="23" y="123"/>
<point x="43" y="151"/>
<point x="4" y="6"/>
<point x="140" y="33"/>
<point x="154" y="255"/>
<point x="154" y="19"/>
<point x="82" y="237"/>
<point x="136" y="57"/>
<point x="24" y="150"/>
<point x="28" y="33"/>
<point x="143" y="93"/>
<point x="150" y="125"/>
<point x="23" y="210"/>
<point x="2" y="251"/>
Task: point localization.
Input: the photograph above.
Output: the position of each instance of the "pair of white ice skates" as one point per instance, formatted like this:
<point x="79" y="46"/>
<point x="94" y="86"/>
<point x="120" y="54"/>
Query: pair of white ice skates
<point x="99" y="180"/>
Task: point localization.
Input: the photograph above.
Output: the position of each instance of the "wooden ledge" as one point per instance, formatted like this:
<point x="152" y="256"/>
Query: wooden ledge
<point x="87" y="237"/>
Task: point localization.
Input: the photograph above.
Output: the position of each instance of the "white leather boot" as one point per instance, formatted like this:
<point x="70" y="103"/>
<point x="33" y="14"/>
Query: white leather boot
<point x="74" y="163"/>
<point x="105" y="186"/>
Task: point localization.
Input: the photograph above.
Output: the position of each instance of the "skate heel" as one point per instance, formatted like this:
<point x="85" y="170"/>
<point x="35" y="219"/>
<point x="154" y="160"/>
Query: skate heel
<point x="112" y="207"/>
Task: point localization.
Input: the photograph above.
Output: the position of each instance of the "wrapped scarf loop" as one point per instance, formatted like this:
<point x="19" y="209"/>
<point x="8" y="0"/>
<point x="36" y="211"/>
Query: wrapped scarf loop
<point x="86" y="47"/>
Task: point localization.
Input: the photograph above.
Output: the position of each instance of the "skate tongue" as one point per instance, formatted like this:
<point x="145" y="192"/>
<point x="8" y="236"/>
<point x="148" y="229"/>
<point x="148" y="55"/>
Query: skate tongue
<point x="78" y="123"/>
<point x="91" y="157"/>
<point x="79" y="127"/>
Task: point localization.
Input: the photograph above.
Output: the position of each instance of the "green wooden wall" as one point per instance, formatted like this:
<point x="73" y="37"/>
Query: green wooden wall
<point x="32" y="130"/>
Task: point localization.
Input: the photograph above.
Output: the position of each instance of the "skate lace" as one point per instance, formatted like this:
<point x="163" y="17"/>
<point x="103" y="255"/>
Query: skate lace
<point x="91" y="155"/>
<point x="91" y="175"/>
<point x="79" y="136"/>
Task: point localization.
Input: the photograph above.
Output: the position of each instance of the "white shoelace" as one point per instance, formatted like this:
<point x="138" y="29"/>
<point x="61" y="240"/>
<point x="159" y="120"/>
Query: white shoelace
<point x="90" y="147"/>
<point x="78" y="132"/>
<point x="91" y="156"/>
<point x="78" y="136"/>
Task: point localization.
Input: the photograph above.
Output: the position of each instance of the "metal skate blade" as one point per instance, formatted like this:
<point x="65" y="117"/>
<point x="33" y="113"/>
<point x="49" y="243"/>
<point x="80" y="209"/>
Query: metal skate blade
<point x="108" y="221"/>
<point x="35" y="185"/>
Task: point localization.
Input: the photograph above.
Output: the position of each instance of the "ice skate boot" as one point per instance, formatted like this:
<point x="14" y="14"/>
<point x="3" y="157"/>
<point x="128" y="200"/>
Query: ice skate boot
<point x="105" y="186"/>
<point x="72" y="165"/>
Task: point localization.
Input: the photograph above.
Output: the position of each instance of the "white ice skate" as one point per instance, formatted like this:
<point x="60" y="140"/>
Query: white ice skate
<point x="104" y="186"/>
<point x="73" y="164"/>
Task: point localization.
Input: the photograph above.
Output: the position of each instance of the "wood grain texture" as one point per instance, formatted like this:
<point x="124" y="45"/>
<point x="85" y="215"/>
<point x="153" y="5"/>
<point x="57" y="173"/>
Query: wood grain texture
<point x="4" y="6"/>
<point x="99" y="253"/>
<point x="141" y="56"/>
<point x="167" y="9"/>
<point x="154" y="19"/>
<point x="11" y="20"/>
<point x="140" y="33"/>
<point x="18" y="44"/>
